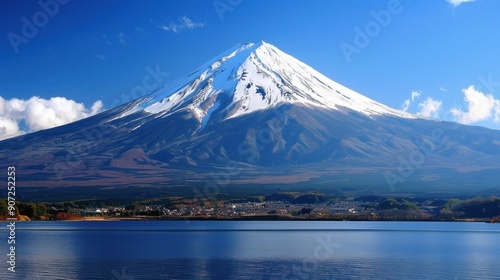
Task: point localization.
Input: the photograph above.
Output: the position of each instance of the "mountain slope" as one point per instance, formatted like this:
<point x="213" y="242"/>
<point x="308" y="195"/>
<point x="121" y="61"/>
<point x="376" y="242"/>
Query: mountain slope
<point x="260" y="117"/>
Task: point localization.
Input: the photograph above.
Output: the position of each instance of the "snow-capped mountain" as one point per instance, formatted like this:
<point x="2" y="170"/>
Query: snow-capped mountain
<point x="256" y="116"/>
<point x="254" y="77"/>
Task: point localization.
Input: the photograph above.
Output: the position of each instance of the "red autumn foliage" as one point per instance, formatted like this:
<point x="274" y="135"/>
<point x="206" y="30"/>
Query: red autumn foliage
<point x="63" y="216"/>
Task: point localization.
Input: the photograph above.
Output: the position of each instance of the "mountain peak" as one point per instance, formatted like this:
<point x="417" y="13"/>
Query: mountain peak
<point x="256" y="76"/>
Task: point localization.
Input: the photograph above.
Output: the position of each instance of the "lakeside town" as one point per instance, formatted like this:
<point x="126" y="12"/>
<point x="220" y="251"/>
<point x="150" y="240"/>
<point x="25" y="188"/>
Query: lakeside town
<point x="280" y="206"/>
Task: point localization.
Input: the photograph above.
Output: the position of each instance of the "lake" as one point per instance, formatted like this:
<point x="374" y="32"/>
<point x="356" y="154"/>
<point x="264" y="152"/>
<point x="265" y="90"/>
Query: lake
<point x="125" y="250"/>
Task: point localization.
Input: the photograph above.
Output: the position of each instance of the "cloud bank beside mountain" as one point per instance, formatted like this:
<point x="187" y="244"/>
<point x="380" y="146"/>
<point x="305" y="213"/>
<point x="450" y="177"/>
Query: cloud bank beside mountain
<point x="18" y="116"/>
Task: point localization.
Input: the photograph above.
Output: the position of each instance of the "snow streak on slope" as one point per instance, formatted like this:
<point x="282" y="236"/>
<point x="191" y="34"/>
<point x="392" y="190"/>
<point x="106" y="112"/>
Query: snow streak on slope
<point x="256" y="77"/>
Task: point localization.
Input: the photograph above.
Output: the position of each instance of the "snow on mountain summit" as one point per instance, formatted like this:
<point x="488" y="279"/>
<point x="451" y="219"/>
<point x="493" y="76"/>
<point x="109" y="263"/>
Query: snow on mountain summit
<point x="253" y="77"/>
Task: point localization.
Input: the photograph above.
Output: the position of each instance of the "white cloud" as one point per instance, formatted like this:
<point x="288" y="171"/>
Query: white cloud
<point x="8" y="128"/>
<point x="456" y="3"/>
<point x="189" y="23"/>
<point x="414" y="95"/>
<point x="102" y="57"/>
<point x="171" y="27"/>
<point x="38" y="113"/>
<point x="184" y="22"/>
<point x="480" y="107"/>
<point x="443" y="89"/>
<point x="430" y="108"/>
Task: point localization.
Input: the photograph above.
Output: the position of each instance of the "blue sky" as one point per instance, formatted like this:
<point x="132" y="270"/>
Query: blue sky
<point x="68" y="59"/>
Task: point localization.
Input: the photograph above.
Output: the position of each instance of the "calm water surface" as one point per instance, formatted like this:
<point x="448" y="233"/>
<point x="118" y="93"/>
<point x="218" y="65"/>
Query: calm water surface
<point x="253" y="250"/>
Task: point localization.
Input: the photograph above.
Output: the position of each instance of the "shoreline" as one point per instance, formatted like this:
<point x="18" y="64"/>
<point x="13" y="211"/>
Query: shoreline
<point x="257" y="218"/>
